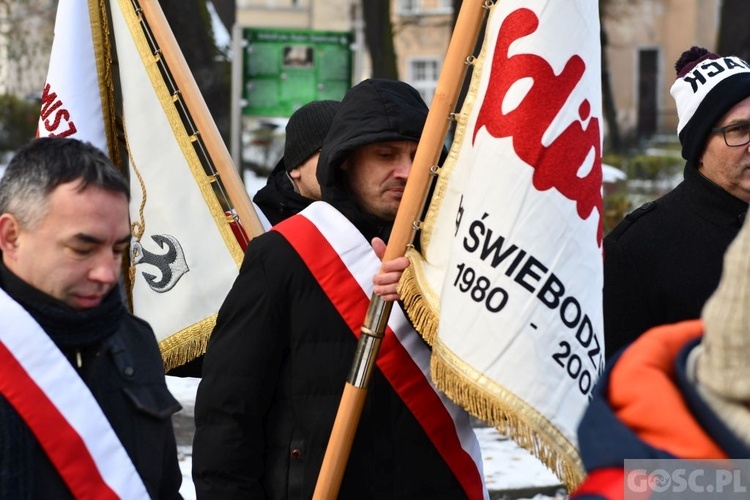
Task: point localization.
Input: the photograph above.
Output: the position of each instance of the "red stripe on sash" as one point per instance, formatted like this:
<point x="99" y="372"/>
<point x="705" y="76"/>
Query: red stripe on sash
<point x="393" y="359"/>
<point x="60" y="441"/>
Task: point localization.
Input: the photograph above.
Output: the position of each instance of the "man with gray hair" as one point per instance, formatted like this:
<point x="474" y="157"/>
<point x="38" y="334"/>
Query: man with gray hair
<point x="84" y="407"/>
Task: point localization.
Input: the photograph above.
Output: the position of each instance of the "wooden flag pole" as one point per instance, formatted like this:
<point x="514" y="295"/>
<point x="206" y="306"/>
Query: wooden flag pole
<point x="461" y="46"/>
<point x="201" y="116"/>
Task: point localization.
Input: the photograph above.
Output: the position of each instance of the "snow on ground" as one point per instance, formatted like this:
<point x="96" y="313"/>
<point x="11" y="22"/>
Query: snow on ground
<point x="506" y="466"/>
<point x="253" y="182"/>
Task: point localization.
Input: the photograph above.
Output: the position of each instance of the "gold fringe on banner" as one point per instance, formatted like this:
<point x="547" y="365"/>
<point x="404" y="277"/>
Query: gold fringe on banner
<point x="422" y="315"/>
<point x="480" y="396"/>
<point x="186" y="345"/>
<point x="491" y="403"/>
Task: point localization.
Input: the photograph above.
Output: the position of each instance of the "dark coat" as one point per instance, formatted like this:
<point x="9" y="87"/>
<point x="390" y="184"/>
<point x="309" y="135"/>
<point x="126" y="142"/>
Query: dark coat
<point x="664" y="260"/>
<point x="126" y="377"/>
<point x="125" y="374"/>
<point x="276" y="364"/>
<point x="277" y="199"/>
<point x="273" y="376"/>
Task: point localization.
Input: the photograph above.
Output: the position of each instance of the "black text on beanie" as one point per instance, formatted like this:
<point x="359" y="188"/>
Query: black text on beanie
<point x="707" y="86"/>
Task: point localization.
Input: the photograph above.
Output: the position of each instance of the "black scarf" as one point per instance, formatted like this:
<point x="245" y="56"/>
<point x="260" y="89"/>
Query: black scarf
<point x="69" y="329"/>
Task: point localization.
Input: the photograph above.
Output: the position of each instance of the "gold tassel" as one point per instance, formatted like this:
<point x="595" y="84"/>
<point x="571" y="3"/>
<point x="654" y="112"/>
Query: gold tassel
<point x="186" y="345"/>
<point x="536" y="435"/>
<point x="180" y="355"/>
<point x="422" y="316"/>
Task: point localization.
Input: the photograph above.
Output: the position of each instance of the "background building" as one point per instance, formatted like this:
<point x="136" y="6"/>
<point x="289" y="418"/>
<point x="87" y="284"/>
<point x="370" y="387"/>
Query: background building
<point x="421" y="30"/>
<point x="645" y="39"/>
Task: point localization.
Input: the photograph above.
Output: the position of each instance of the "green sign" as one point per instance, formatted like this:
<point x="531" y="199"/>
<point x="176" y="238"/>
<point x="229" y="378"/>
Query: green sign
<point x="284" y="69"/>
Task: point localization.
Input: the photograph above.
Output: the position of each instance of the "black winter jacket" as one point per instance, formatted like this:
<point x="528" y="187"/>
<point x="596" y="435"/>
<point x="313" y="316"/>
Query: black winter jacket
<point x="273" y="376"/>
<point x="278" y="358"/>
<point x="277" y="199"/>
<point x="664" y="260"/>
<point x="125" y="374"/>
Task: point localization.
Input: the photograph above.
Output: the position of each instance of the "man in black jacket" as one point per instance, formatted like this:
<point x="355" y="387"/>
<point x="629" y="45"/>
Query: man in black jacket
<point x="293" y="184"/>
<point x="286" y="335"/>
<point x="664" y="260"/>
<point x="84" y="407"/>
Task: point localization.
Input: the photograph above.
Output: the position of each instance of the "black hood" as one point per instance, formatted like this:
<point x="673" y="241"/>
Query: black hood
<point x="375" y="110"/>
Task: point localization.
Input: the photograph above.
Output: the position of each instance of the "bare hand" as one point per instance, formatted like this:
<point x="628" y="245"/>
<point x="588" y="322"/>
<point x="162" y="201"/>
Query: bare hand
<point x="386" y="281"/>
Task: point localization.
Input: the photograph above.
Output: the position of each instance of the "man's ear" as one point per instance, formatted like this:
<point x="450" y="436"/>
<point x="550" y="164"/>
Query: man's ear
<point x="295" y="174"/>
<point x="9" y="232"/>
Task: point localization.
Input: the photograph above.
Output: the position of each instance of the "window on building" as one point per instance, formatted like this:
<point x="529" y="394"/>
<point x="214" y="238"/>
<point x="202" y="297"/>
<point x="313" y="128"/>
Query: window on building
<point x="423" y="75"/>
<point x="413" y="7"/>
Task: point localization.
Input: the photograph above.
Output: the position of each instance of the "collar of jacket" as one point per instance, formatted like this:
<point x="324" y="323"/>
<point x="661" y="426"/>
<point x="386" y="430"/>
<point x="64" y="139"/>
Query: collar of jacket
<point x="277" y="199"/>
<point x="67" y="327"/>
<point x="711" y="202"/>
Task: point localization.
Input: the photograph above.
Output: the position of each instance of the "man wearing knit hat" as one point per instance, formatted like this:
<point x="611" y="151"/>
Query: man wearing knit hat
<point x="679" y="391"/>
<point x="664" y="260"/>
<point x="286" y="337"/>
<point x="293" y="184"/>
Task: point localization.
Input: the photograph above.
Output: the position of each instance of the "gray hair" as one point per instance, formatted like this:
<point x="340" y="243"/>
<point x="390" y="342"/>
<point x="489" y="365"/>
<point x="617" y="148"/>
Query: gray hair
<point x="46" y="163"/>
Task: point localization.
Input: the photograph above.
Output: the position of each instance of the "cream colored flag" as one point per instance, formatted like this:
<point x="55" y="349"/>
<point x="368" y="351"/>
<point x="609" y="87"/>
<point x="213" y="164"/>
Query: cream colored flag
<point x="77" y="94"/>
<point x="508" y="285"/>
<point x="184" y="255"/>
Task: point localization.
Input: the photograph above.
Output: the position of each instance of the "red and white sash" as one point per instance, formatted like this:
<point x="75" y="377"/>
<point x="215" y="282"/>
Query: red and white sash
<point x="344" y="263"/>
<point x="42" y="386"/>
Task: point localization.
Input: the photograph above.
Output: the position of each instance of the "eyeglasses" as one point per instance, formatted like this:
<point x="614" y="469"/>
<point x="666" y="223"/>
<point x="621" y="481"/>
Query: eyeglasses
<point x="736" y="134"/>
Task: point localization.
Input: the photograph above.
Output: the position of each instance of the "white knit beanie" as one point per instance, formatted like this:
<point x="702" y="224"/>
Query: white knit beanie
<point x="707" y="86"/>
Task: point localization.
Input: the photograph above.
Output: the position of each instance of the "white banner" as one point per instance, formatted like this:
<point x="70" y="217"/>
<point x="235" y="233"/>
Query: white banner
<point x="71" y="97"/>
<point x="184" y="256"/>
<point x="512" y="256"/>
